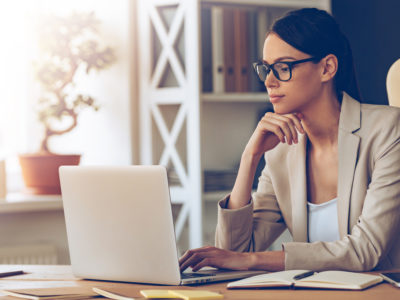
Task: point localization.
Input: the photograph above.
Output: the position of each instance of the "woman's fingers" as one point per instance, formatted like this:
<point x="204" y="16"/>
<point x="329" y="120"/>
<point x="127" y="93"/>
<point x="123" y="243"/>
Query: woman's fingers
<point x="279" y="127"/>
<point x="191" y="261"/>
<point x="286" y="125"/>
<point x="205" y="262"/>
<point x="206" y="256"/>
<point x="214" y="257"/>
<point x="274" y="128"/>
<point x="296" y="118"/>
<point x="193" y="256"/>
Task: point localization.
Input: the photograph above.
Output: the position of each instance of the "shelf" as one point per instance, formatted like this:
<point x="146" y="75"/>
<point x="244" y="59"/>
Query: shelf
<point x="21" y="203"/>
<point x="325" y="4"/>
<point x="215" y="196"/>
<point x="236" y="97"/>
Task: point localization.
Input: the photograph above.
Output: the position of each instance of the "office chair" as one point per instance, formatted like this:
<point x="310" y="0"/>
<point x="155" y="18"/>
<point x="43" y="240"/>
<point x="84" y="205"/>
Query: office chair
<point x="393" y="84"/>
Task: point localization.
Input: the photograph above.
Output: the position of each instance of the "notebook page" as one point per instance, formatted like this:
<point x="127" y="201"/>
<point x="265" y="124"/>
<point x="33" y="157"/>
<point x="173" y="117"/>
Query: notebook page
<point x="283" y="278"/>
<point x="339" y="280"/>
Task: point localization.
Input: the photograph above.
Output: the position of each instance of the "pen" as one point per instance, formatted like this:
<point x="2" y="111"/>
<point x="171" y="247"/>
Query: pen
<point x="11" y="273"/>
<point x="303" y="275"/>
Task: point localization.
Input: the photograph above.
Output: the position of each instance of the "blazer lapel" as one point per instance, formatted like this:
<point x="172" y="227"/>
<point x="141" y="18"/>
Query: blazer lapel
<point x="348" y="145"/>
<point x="298" y="186"/>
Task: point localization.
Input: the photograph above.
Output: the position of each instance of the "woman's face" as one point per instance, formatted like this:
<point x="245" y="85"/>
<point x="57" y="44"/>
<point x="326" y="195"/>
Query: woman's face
<point x="305" y="84"/>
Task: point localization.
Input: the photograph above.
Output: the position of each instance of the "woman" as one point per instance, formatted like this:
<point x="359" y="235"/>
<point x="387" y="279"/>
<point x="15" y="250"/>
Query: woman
<point x="332" y="174"/>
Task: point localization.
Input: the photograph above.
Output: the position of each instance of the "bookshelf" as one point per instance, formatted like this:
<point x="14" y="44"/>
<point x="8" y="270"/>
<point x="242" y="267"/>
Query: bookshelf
<point x="191" y="120"/>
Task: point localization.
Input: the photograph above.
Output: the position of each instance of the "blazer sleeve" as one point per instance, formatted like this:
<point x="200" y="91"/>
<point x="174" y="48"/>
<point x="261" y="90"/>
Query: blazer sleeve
<point x="253" y="227"/>
<point x="374" y="233"/>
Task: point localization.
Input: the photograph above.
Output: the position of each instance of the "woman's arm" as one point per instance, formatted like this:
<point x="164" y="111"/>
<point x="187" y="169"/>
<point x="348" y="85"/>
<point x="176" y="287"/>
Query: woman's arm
<point x="271" y="130"/>
<point x="241" y="192"/>
<point x="246" y="224"/>
<point x="255" y="226"/>
<point x="242" y="228"/>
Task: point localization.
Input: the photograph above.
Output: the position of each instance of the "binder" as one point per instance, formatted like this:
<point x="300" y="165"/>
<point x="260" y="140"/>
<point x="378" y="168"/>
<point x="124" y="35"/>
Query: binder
<point x="217" y="49"/>
<point x="241" y="50"/>
<point x="254" y="52"/>
<point x="229" y="49"/>
<point x="263" y="24"/>
<point x="206" y="53"/>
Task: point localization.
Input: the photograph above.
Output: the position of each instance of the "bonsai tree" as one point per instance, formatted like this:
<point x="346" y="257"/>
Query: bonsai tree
<point x="68" y="45"/>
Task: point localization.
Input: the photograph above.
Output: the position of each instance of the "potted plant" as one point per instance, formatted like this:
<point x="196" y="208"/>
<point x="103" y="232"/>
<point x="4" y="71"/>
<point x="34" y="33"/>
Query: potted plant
<point x="68" y="46"/>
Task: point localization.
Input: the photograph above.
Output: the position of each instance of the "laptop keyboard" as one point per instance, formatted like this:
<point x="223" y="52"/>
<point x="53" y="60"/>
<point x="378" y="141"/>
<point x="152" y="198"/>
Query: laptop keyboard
<point x="195" y="275"/>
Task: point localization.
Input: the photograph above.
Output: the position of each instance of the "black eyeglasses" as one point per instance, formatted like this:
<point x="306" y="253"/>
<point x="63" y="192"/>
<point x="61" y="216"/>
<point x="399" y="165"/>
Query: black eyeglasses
<point x="281" y="69"/>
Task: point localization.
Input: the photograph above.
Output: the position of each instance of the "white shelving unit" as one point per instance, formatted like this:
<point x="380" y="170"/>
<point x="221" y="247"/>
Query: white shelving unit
<point x="175" y="112"/>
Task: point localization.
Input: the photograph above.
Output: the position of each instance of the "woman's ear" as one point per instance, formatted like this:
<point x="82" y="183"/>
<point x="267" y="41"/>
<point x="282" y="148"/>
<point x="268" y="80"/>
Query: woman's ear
<point x="329" y="67"/>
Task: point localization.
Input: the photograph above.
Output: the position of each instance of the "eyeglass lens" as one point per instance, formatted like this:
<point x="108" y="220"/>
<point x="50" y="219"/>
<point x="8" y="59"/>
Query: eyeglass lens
<point x="281" y="71"/>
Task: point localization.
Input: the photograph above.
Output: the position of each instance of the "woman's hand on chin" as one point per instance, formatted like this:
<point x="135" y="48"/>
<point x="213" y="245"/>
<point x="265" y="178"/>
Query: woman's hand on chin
<point x="215" y="257"/>
<point x="274" y="129"/>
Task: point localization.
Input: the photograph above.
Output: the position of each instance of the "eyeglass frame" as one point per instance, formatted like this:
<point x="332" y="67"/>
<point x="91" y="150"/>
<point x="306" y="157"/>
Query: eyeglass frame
<point x="290" y="65"/>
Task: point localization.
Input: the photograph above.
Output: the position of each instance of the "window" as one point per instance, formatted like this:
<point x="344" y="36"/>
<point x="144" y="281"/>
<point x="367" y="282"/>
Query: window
<point x="102" y="137"/>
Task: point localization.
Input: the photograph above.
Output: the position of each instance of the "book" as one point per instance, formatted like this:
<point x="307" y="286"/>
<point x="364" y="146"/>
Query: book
<point x="309" y="279"/>
<point x="241" y="53"/>
<point x="52" y="293"/>
<point x="217" y="49"/>
<point x="118" y="293"/>
<point x="206" y="52"/>
<point x="124" y="294"/>
<point x="229" y="49"/>
<point x="255" y="85"/>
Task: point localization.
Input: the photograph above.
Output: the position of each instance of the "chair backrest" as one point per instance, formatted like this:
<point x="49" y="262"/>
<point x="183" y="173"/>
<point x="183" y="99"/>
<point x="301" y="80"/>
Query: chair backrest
<point x="393" y="84"/>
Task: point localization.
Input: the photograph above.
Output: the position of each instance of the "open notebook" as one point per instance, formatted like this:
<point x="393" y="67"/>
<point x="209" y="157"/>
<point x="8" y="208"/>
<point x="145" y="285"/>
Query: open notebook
<point x="324" y="280"/>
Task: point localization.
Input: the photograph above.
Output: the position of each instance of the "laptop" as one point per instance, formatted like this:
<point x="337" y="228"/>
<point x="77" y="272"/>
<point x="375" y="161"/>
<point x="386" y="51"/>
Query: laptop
<point x="120" y="226"/>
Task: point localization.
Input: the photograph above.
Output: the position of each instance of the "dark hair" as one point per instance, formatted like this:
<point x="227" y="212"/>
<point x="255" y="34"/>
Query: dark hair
<point x="315" y="32"/>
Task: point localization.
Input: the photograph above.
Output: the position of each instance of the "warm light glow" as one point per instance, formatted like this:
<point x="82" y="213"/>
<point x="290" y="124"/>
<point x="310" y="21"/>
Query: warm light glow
<point x="19" y="129"/>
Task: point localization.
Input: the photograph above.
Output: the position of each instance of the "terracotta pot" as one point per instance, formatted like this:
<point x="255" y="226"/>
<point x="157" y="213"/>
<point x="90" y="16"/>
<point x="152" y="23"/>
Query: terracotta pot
<point x="40" y="171"/>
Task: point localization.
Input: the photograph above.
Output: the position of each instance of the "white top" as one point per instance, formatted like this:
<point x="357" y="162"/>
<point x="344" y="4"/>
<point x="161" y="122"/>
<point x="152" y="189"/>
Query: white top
<point x="323" y="222"/>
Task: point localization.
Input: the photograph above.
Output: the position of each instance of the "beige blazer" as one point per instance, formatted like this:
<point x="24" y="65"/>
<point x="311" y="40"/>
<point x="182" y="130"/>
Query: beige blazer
<point x="368" y="205"/>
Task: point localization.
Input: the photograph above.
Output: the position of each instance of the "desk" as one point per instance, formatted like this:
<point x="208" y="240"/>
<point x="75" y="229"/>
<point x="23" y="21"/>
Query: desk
<point x="45" y="276"/>
<point x="30" y="220"/>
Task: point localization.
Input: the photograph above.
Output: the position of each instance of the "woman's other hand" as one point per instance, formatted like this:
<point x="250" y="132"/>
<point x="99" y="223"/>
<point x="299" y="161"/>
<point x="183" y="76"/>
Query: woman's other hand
<point x="214" y="257"/>
<point x="272" y="129"/>
<point x="224" y="259"/>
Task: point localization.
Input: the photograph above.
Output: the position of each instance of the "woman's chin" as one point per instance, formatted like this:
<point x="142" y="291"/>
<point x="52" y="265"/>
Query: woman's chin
<point x="282" y="110"/>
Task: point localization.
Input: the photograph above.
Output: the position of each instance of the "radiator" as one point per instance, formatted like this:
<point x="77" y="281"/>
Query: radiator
<point x="36" y="254"/>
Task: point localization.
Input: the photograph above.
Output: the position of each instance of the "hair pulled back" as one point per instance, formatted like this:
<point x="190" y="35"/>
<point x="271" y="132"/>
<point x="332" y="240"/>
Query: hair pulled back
<point x="315" y="32"/>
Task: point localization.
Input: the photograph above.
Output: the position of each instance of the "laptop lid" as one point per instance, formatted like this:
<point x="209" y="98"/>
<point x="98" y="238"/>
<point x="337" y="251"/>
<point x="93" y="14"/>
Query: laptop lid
<point x="119" y="223"/>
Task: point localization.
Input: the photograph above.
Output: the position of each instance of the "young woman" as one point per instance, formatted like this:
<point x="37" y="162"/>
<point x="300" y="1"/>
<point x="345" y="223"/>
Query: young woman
<point x="332" y="174"/>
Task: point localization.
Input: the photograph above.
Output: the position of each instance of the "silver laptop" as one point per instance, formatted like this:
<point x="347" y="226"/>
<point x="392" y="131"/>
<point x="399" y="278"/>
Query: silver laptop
<point x="120" y="226"/>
